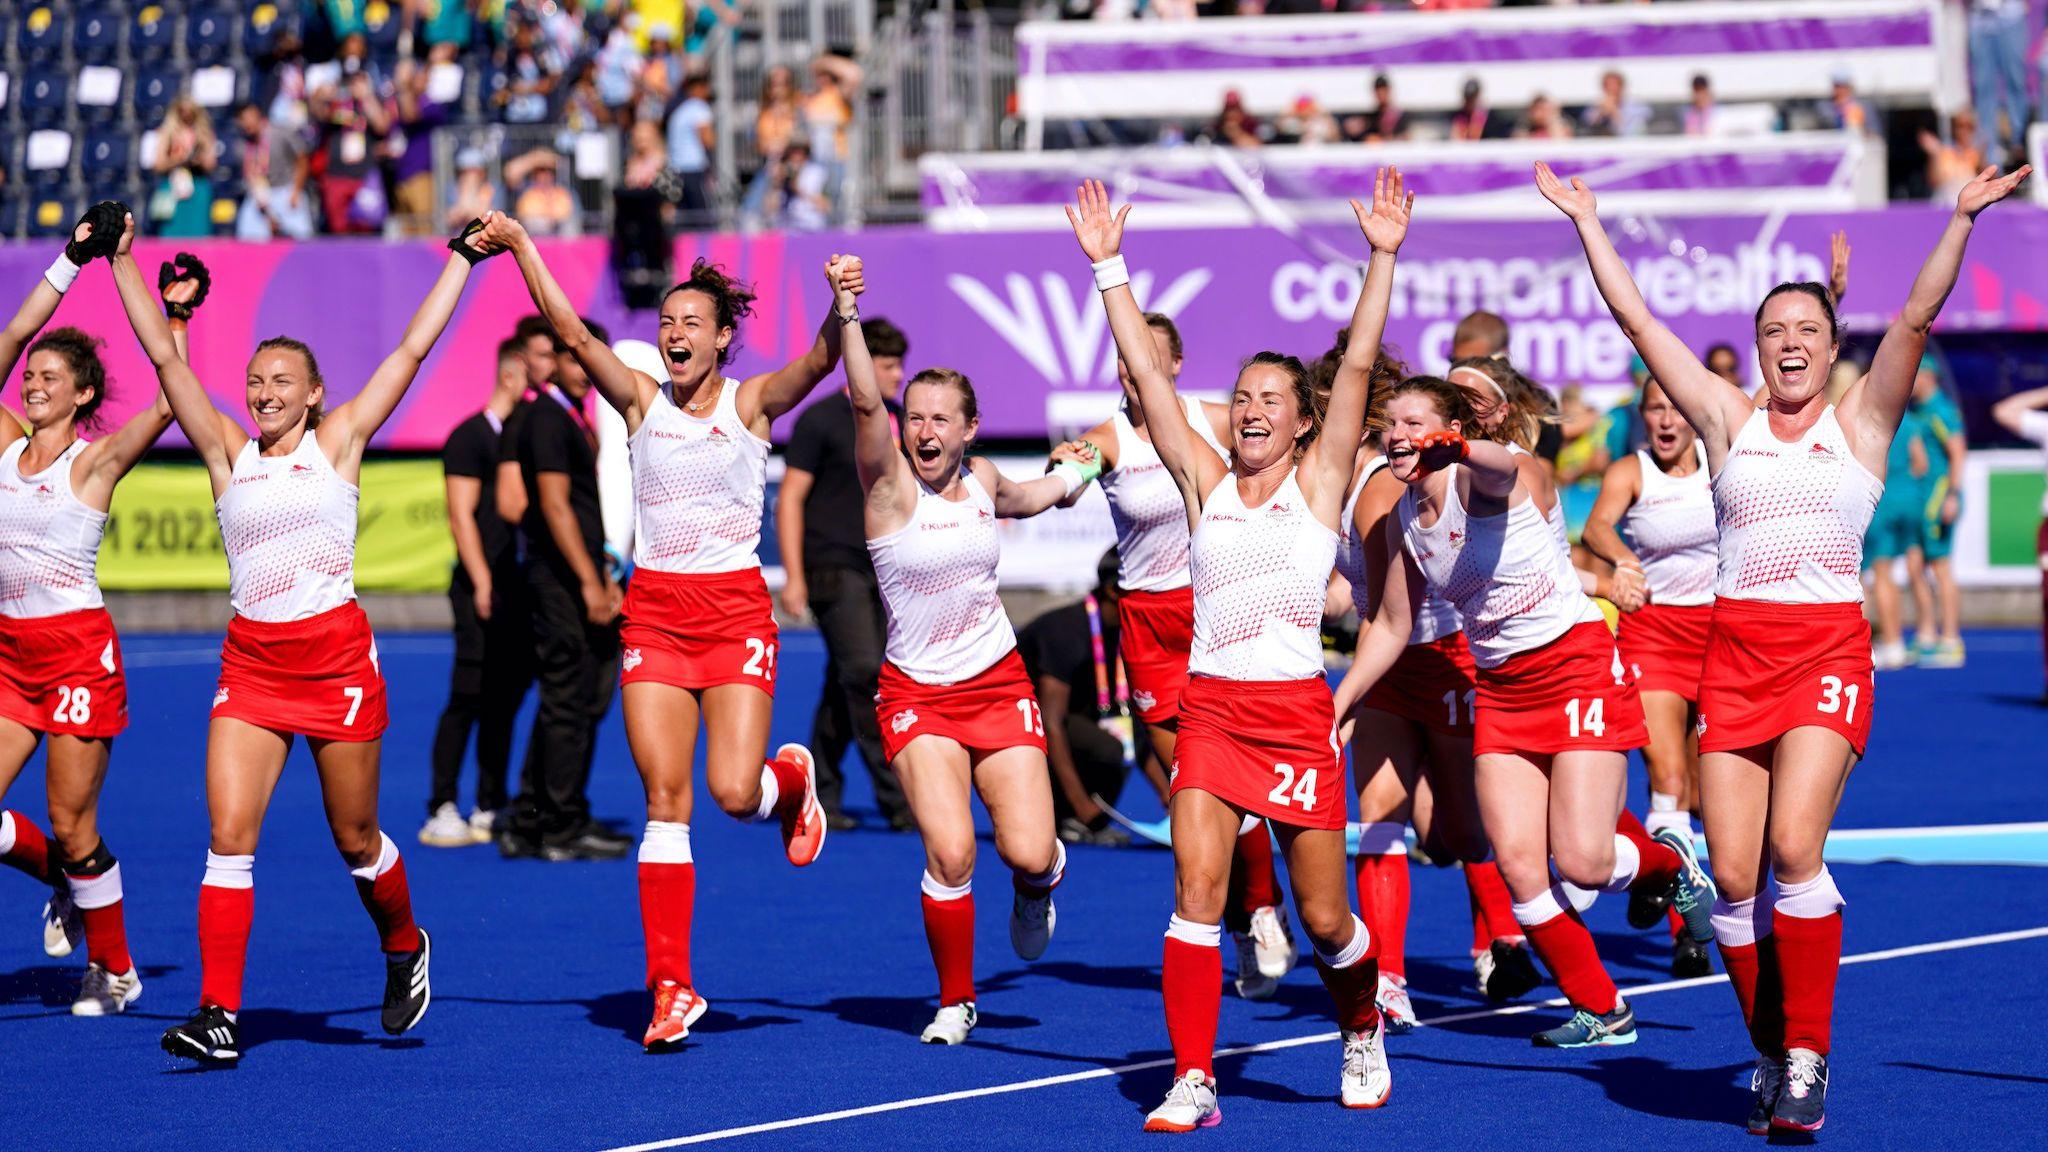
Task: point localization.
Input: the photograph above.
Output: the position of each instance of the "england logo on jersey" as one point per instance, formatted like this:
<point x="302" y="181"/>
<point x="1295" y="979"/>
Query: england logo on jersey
<point x="630" y="660"/>
<point x="902" y="721"/>
<point x="220" y="697"/>
<point x="1144" y="700"/>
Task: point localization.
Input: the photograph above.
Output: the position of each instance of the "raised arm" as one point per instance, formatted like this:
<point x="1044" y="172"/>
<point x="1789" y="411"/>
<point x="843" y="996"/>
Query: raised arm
<point x="183" y="285"/>
<point x="1873" y="406"/>
<point x="1619" y="488"/>
<point x="1381" y="642"/>
<point x="770" y="394"/>
<point x="1070" y="468"/>
<point x="1194" y="467"/>
<point x="1710" y="404"/>
<point x="1385" y="225"/>
<point x="217" y="440"/>
<point x="626" y="390"/>
<point x="96" y="234"/>
<point x="2011" y="412"/>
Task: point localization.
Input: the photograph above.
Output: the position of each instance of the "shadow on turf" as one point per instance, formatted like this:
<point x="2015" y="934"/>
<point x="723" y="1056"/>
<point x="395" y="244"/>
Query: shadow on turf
<point x="1716" y="1095"/>
<point x="56" y="985"/>
<point x="2008" y="1077"/>
<point x="626" y="1014"/>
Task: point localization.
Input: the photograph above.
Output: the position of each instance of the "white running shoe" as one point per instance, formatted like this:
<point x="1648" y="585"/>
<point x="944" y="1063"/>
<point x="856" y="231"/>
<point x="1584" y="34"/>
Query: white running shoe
<point x="102" y="993"/>
<point x="447" y="829"/>
<point x="1395" y="1007"/>
<point x="951" y="1025"/>
<point x="1190" y="1104"/>
<point x="483" y="825"/>
<point x="1482" y="969"/>
<point x="1251" y="983"/>
<point x="1891" y="657"/>
<point x="1275" y="940"/>
<point x="63" y="926"/>
<point x="1366" y="1081"/>
<point x="1031" y="924"/>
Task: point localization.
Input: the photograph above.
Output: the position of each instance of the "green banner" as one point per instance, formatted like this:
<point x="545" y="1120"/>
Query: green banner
<point x="162" y="535"/>
<point x="2015" y="514"/>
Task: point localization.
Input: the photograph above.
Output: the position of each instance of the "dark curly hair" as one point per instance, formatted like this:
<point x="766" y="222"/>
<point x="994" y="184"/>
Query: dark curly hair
<point x="731" y="300"/>
<point x="80" y="351"/>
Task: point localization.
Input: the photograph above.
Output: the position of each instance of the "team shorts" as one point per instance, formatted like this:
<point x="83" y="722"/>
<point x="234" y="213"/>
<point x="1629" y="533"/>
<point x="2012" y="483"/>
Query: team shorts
<point x="698" y="631"/>
<point x="1155" y="631"/>
<point x="1937" y="537"/>
<point x="1268" y="747"/>
<point x="1570" y="695"/>
<point x="987" y="712"/>
<point x="1771" y="668"/>
<point x="62" y="675"/>
<point x="1432" y="684"/>
<point x="1662" y="645"/>
<point x="1894" y="528"/>
<point x="316" y="677"/>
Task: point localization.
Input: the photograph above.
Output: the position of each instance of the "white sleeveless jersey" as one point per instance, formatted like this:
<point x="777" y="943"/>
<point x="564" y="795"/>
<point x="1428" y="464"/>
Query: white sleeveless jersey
<point x="49" y="540"/>
<point x="1259" y="576"/>
<point x="698" y="487"/>
<point x="1555" y="516"/>
<point x="1150" y="514"/>
<point x="1671" y="526"/>
<point x="1513" y="589"/>
<point x="938" y="580"/>
<point x="289" y="524"/>
<point x="1793" y="515"/>
<point x="1434" y="619"/>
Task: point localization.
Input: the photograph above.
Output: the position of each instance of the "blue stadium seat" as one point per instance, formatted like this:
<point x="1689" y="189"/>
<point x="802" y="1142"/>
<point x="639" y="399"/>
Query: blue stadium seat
<point x="96" y="32"/>
<point x="152" y="32"/>
<point x="155" y="87"/>
<point x="12" y="212"/>
<point x="39" y="34"/>
<point x="263" y="21"/>
<point x="107" y="156"/>
<point x="381" y="28"/>
<point x="53" y="215"/>
<point x="209" y="32"/>
<point x="44" y="97"/>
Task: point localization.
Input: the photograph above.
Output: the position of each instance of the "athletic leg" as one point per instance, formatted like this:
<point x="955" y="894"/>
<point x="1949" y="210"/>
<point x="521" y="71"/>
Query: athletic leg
<point x="936" y="775"/>
<point x="661" y="729"/>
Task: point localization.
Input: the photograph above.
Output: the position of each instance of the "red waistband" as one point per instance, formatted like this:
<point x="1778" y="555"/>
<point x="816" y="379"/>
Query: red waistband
<point x="738" y="577"/>
<point x="1255" y="687"/>
<point x="286" y="629"/>
<point x="1776" y="611"/>
<point x="62" y="621"/>
<point x="1185" y="594"/>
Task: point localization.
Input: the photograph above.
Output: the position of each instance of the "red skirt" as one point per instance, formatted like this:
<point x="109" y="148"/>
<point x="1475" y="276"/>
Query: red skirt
<point x="1662" y="647"/>
<point x="988" y="712"/>
<point x="698" y="632"/>
<point x="1431" y="685"/>
<point x="1771" y="668"/>
<point x="1268" y="747"/>
<point x="61" y="675"/>
<point x="1155" y="631"/>
<point x="317" y="677"/>
<point x="1568" y="696"/>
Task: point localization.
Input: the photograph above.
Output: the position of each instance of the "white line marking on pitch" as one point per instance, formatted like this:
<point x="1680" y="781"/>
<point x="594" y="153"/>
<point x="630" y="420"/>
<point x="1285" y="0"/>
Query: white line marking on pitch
<point x="1278" y="1045"/>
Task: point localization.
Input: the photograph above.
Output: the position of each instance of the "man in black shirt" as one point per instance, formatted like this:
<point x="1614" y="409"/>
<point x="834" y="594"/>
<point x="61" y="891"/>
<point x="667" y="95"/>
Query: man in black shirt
<point x="820" y="525"/>
<point x="493" y="627"/>
<point x="575" y="619"/>
<point x="1086" y="760"/>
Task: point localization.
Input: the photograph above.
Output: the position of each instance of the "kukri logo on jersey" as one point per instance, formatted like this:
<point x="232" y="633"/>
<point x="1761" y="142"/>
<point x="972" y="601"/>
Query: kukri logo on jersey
<point x="1061" y="332"/>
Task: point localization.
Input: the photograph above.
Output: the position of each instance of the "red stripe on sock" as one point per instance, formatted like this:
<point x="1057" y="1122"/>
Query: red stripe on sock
<point x="1383" y="905"/>
<point x="1490" y="893"/>
<point x="31" y="852"/>
<point x="1809" y="955"/>
<point x="1566" y="948"/>
<point x="224" y="918"/>
<point x="668" y="900"/>
<point x="1192" y="983"/>
<point x="790" y="781"/>
<point x="1659" y="863"/>
<point x="389" y="900"/>
<point x="106" y="938"/>
<point x="949" y="929"/>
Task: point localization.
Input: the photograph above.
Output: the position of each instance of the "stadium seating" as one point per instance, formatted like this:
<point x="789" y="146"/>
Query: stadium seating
<point x="152" y="32"/>
<point x="209" y="33"/>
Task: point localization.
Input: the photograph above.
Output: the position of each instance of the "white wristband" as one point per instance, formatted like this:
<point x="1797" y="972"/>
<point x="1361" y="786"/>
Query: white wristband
<point x="1111" y="273"/>
<point x="1070" y="475"/>
<point x="62" y="273"/>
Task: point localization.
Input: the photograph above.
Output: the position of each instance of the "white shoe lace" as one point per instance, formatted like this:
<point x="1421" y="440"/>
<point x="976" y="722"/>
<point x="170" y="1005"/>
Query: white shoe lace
<point x="1802" y="1071"/>
<point x="1357" y="1050"/>
<point x="1267" y="931"/>
<point x="1186" y="1092"/>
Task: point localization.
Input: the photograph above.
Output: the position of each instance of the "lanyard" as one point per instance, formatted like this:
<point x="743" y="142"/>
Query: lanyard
<point x="575" y="411"/>
<point x="1103" y="700"/>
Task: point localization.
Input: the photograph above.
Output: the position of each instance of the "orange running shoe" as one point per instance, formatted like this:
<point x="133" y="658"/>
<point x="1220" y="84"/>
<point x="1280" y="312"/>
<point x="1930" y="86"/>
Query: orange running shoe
<point x="803" y="825"/>
<point x="675" y="1009"/>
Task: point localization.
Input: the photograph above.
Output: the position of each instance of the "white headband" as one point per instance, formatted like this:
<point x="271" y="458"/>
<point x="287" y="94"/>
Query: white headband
<point x="1499" y="392"/>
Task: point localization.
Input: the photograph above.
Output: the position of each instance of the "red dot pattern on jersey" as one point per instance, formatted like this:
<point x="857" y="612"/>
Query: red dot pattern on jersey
<point x="1149" y="504"/>
<point x="27" y="562"/>
<point x="1792" y="509"/>
<point x="1250" y="580"/>
<point x="271" y="544"/>
<point x="955" y="548"/>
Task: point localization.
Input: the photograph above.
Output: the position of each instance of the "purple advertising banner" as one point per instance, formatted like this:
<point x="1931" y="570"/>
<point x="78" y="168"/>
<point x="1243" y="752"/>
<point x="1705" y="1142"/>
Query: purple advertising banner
<point x="1017" y="311"/>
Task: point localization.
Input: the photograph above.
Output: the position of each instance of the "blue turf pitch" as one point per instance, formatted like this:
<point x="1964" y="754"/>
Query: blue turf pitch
<point x="819" y="980"/>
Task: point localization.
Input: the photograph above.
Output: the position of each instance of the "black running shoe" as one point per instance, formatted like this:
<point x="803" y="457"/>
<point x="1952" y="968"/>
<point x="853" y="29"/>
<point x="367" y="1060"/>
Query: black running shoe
<point x="589" y="841"/>
<point x="1689" y="958"/>
<point x="513" y="846"/>
<point x="407" y="990"/>
<point x="1514" y="973"/>
<point x="1646" y="907"/>
<point x="1764" y="1081"/>
<point x="210" y="1037"/>
<point x="1802" y="1103"/>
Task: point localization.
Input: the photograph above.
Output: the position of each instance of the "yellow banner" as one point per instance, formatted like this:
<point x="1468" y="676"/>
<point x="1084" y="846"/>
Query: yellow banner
<point x="162" y="535"/>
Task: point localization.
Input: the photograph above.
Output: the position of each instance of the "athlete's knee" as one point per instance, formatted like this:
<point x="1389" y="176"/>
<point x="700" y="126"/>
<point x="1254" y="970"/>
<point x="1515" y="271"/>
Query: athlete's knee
<point x="668" y="800"/>
<point x="1327" y="923"/>
<point x="735" y="793"/>
<point x="950" y="863"/>
<point x="1795" y="853"/>
<point x="1587" y="865"/>
<point x="1200" y="895"/>
<point x="74" y="829"/>
<point x="233" y="838"/>
<point x="1025" y="854"/>
<point x="357" y="841"/>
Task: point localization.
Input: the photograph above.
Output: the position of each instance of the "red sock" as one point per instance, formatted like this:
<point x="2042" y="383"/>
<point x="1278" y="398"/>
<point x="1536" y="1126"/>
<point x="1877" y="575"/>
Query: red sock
<point x="1481" y="938"/>
<point x="1658" y="863"/>
<point x="1192" y="982"/>
<point x="1753" y="973"/>
<point x="1383" y="905"/>
<point x="224" y="918"/>
<point x="1251" y="866"/>
<point x="1809" y="955"/>
<point x="1354" y="988"/>
<point x="1566" y="948"/>
<point x="389" y="901"/>
<point x="98" y="897"/>
<point x="790" y="782"/>
<point x="1496" y="906"/>
<point x="31" y="851"/>
<point x="949" y="929"/>
<point x="668" y="896"/>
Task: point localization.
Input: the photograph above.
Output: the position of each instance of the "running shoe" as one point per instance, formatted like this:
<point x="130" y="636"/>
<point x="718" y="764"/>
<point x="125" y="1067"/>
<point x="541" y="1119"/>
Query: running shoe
<point x="1366" y="1080"/>
<point x="803" y="825"/>
<point x="1275" y="939"/>
<point x="1765" y="1081"/>
<point x="951" y="1025"/>
<point x="1802" y="1102"/>
<point x="1646" y="906"/>
<point x="1891" y="657"/>
<point x="211" y="1036"/>
<point x="675" y="1009"/>
<point x="1482" y="970"/>
<point x="1689" y="958"/>
<point x="1947" y="654"/>
<point x="1693" y="898"/>
<point x="407" y="991"/>
<point x="63" y="925"/>
<point x="587" y="841"/>
<point x="1251" y="983"/>
<point x="1514" y="973"/>
<point x="447" y="829"/>
<point x="1031" y="923"/>
<point x="1395" y="1007"/>
<point x="484" y="824"/>
<point x="1190" y="1104"/>
<point x="102" y="993"/>
<point x="1587" y="1030"/>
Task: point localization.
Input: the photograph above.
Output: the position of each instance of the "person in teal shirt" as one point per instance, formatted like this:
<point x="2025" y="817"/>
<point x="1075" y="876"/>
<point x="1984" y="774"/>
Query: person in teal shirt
<point x="1894" y="533"/>
<point x="1940" y="424"/>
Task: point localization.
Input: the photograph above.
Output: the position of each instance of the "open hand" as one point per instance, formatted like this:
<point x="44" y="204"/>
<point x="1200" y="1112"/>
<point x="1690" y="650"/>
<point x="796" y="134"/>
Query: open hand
<point x="1574" y="200"/>
<point x="1385" y="224"/>
<point x="1100" y="233"/>
<point x="1988" y="189"/>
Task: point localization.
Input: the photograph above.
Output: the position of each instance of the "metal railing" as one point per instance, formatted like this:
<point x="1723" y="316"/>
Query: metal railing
<point x="587" y="164"/>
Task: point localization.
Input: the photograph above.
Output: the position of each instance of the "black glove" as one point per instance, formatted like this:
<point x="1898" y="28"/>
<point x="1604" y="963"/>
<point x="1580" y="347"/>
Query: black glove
<point x="108" y="218"/>
<point x="460" y="244"/>
<point x="186" y="267"/>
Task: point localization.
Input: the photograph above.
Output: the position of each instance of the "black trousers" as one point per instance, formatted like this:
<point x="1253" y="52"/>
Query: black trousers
<point x="577" y="663"/>
<point x="848" y="607"/>
<point x="493" y="669"/>
<point x="1098" y="759"/>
